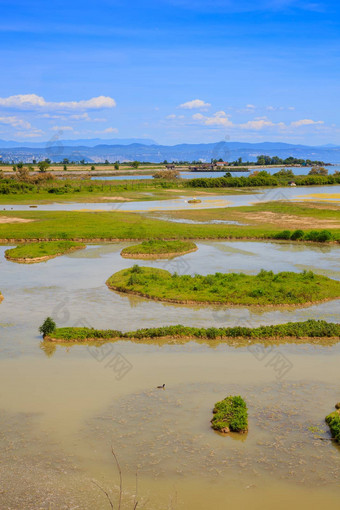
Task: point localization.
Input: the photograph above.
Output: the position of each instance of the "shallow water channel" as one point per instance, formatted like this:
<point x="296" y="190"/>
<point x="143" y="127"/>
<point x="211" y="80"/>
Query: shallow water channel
<point x="330" y="194"/>
<point x="61" y="409"/>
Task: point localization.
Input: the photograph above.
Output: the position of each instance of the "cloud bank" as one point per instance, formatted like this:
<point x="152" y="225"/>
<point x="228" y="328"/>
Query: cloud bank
<point x="35" y="102"/>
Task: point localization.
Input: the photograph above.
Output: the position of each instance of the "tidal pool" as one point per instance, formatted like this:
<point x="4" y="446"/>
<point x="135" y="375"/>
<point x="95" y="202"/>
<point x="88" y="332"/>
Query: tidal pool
<point x="61" y="411"/>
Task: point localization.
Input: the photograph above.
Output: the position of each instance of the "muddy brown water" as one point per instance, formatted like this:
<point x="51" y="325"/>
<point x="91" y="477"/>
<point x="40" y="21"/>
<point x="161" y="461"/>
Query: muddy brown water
<point x="61" y="411"/>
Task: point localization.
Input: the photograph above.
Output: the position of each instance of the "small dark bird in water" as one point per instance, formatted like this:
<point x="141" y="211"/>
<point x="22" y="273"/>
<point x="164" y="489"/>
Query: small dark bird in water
<point x="161" y="387"/>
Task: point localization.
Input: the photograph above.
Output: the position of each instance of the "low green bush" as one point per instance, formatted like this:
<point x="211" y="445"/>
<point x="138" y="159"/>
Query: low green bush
<point x="230" y="415"/>
<point x="317" y="236"/>
<point x="333" y="421"/>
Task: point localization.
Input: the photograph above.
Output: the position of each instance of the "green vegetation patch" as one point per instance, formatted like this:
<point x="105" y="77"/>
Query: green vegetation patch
<point x="230" y="415"/>
<point x="43" y="250"/>
<point x="265" y="288"/>
<point x="72" y="225"/>
<point x="159" y="247"/>
<point x="308" y="329"/>
<point x="262" y="178"/>
<point x="333" y="421"/>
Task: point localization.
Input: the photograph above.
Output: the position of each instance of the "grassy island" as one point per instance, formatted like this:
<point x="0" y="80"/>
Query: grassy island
<point x="307" y="330"/>
<point x="39" y="252"/>
<point x="265" y="288"/>
<point x="158" y="249"/>
<point x="230" y="415"/>
<point x="333" y="421"/>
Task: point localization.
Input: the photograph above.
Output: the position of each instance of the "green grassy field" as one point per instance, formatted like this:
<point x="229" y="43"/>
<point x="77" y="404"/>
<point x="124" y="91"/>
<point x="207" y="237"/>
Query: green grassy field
<point x="42" y="250"/>
<point x="266" y="288"/>
<point x="159" y="247"/>
<point x="63" y="225"/>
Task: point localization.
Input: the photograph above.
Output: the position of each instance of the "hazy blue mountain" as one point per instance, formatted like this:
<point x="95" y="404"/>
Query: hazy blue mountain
<point x="228" y="151"/>
<point x="86" y="142"/>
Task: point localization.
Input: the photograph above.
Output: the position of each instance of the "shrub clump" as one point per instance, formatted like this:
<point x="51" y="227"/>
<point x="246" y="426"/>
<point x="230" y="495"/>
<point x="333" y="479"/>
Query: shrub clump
<point x="317" y="236"/>
<point x="230" y="415"/>
<point x="333" y="421"/>
<point x="48" y="327"/>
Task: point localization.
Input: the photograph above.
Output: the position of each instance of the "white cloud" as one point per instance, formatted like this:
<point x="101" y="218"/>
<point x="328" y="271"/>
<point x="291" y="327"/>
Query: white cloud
<point x="15" y="122"/>
<point x="62" y="128"/>
<point x="217" y="119"/>
<point x="263" y="122"/>
<point x="171" y="116"/>
<point x="257" y="124"/>
<point x="195" y="104"/>
<point x="260" y="123"/>
<point x="30" y="134"/>
<point x="50" y="116"/>
<point x="33" y="102"/>
<point x="80" y="116"/>
<point x="108" y="130"/>
<point x="306" y="122"/>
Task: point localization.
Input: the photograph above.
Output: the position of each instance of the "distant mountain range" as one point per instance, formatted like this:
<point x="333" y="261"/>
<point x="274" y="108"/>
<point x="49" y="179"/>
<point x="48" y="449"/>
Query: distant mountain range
<point x="149" y="151"/>
<point x="84" y="142"/>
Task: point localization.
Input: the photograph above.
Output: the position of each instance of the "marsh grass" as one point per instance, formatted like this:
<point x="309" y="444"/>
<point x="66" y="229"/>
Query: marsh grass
<point x="160" y="247"/>
<point x="265" y="288"/>
<point x="294" y="330"/>
<point x="49" y="249"/>
<point x="117" y="225"/>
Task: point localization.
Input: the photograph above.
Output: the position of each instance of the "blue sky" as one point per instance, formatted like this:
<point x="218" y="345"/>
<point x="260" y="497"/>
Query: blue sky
<point x="177" y="71"/>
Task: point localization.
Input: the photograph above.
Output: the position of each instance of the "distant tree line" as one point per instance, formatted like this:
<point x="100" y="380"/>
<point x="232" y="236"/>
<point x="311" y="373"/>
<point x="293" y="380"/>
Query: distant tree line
<point x="275" y="160"/>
